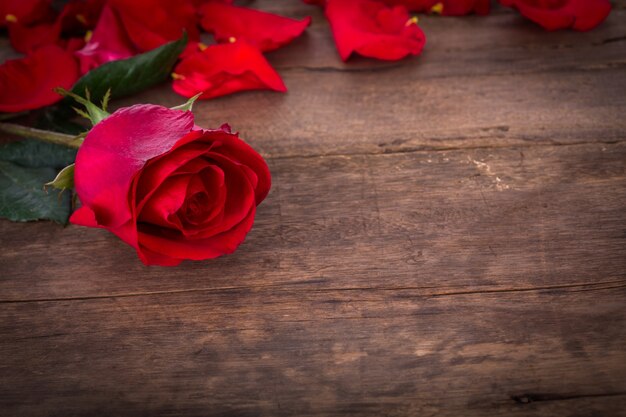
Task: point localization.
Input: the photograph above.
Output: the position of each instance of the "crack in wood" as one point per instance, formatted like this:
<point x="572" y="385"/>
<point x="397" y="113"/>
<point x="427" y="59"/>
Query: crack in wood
<point x="595" y="286"/>
<point x="542" y="397"/>
<point x="434" y="149"/>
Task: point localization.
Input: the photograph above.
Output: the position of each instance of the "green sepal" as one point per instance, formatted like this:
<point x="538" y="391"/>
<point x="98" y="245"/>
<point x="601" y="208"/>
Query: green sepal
<point x="94" y="113"/>
<point x="188" y="105"/>
<point x="64" y="179"/>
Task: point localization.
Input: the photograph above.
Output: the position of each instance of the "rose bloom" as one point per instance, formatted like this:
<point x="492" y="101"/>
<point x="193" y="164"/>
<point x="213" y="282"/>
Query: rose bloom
<point x="168" y="188"/>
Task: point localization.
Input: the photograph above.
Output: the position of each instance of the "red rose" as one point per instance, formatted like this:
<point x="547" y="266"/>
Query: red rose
<point x="28" y="83"/>
<point x="169" y="189"/>
<point x="563" y="14"/>
<point x="372" y="29"/>
<point x="224" y="69"/>
<point x="266" y="31"/>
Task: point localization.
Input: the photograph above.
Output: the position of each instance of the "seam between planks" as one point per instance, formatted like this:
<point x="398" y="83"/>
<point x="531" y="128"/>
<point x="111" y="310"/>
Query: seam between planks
<point x="585" y="286"/>
<point x="428" y="149"/>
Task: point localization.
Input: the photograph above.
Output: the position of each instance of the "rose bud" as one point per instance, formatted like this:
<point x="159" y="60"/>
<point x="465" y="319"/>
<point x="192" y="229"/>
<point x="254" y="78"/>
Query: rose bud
<point x="166" y="187"/>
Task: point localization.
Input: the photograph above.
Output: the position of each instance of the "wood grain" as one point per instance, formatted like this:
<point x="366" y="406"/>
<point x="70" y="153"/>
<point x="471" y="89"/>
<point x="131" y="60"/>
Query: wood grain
<point x="445" y="236"/>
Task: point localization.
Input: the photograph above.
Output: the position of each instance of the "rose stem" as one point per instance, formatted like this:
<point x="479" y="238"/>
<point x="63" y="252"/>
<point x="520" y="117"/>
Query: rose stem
<point x="44" y="135"/>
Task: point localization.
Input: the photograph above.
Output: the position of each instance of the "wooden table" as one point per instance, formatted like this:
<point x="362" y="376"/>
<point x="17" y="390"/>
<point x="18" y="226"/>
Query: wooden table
<point x="445" y="236"/>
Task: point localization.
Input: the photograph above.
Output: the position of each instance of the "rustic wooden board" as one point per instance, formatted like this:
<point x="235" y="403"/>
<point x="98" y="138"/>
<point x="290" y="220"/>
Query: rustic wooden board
<point x="445" y="236"/>
<point x="486" y="219"/>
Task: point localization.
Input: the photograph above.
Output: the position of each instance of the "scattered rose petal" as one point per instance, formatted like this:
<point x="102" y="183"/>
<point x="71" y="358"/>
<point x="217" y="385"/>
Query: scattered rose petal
<point x="580" y="15"/>
<point x="224" y="69"/>
<point x="108" y="42"/>
<point x="28" y="83"/>
<point x="266" y="31"/>
<point x="444" y="7"/>
<point x="25" y="12"/>
<point x="152" y="23"/>
<point x="26" y="39"/>
<point x="372" y="29"/>
<point x="78" y="16"/>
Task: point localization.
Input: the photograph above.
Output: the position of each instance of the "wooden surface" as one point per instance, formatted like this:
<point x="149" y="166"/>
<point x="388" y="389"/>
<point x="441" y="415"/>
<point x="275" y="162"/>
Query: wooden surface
<point x="446" y="236"/>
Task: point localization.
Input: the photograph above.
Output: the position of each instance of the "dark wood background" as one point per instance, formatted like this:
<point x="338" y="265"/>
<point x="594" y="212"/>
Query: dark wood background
<point x="446" y="236"/>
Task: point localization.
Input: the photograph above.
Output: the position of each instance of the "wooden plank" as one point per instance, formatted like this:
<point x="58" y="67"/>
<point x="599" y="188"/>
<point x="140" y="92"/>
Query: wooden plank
<point x="458" y="249"/>
<point x="317" y="353"/>
<point x="456" y="221"/>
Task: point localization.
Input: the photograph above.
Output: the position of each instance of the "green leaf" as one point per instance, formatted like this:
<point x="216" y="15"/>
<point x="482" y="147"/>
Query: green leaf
<point x="22" y="197"/>
<point x="34" y="153"/>
<point x="129" y="76"/>
<point x="64" y="179"/>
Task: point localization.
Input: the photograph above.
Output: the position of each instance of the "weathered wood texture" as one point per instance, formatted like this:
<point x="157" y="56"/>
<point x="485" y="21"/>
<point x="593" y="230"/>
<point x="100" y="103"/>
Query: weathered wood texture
<point x="445" y="236"/>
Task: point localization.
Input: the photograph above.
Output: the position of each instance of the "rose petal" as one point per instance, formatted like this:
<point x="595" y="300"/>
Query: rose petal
<point x="151" y="23"/>
<point x="266" y="31"/>
<point x="373" y="29"/>
<point x="448" y="7"/>
<point x="25" y="12"/>
<point x="80" y="15"/>
<point x="165" y="202"/>
<point x="26" y="39"/>
<point x="231" y="146"/>
<point x="164" y="250"/>
<point x="28" y="83"/>
<point x="157" y="170"/>
<point x="225" y="69"/>
<point x="109" y="42"/>
<point x="575" y="14"/>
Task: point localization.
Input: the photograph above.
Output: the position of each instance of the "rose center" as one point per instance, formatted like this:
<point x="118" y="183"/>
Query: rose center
<point x="197" y="207"/>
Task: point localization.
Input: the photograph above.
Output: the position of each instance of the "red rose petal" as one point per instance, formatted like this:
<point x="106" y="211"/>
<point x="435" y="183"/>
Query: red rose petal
<point x="25" y="12"/>
<point x="166" y="201"/>
<point x="225" y="69"/>
<point x="84" y="216"/>
<point x="237" y="150"/>
<point x="26" y="39"/>
<point x="373" y="29"/>
<point x="157" y="170"/>
<point x="28" y="83"/>
<point x="266" y="31"/>
<point x="80" y="15"/>
<point x="448" y="7"/>
<point x="166" y="250"/>
<point x="151" y="23"/>
<point x="109" y="42"/>
<point x="580" y="15"/>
